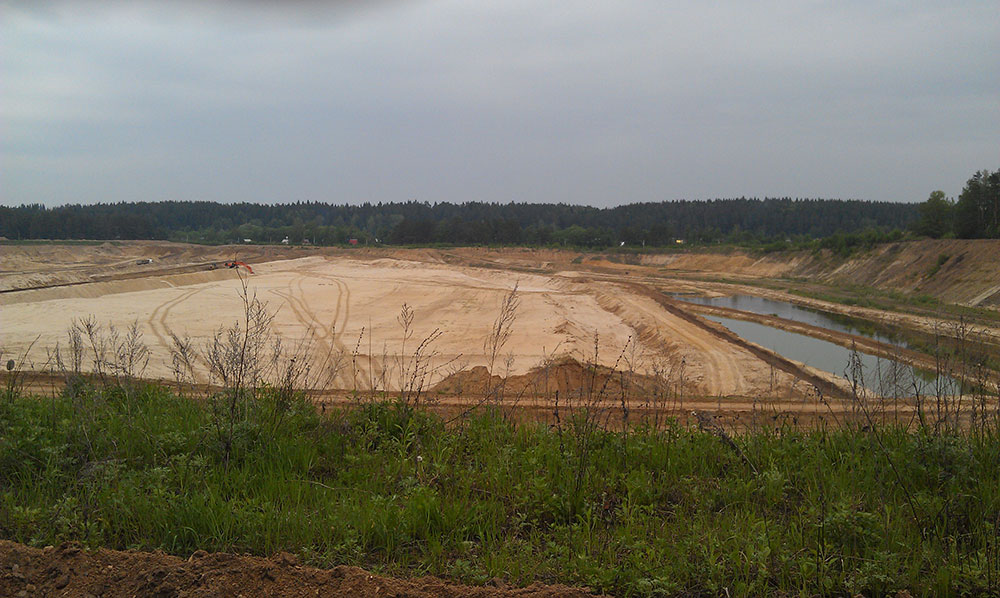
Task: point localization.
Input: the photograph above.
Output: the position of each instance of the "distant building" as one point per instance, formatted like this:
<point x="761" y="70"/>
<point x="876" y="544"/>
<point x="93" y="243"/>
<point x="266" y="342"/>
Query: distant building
<point x="248" y="240"/>
<point x="353" y="241"/>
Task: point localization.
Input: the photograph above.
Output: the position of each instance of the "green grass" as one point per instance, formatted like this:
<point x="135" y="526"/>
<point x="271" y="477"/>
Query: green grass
<point x="865" y="296"/>
<point x="672" y="512"/>
<point x="890" y="300"/>
<point x="942" y="260"/>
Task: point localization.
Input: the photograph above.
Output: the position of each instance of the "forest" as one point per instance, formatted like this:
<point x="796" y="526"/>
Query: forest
<point x="773" y="223"/>
<point x="770" y="220"/>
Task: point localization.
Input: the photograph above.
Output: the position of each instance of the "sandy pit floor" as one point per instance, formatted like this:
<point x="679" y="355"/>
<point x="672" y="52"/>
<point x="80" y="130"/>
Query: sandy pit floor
<point x="344" y="313"/>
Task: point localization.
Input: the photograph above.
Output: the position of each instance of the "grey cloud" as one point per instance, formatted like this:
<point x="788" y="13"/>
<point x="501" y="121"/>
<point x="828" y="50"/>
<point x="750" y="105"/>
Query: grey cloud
<point x="599" y="103"/>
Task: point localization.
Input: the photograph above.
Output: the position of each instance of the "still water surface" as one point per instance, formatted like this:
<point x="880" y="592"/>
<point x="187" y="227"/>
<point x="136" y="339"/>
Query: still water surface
<point x="884" y="376"/>
<point x="789" y="311"/>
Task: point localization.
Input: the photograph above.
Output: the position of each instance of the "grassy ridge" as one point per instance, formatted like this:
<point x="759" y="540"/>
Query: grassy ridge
<point x="674" y="511"/>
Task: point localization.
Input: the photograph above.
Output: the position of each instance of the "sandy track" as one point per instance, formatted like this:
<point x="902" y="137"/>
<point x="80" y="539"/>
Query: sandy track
<point x="326" y="333"/>
<point x="158" y="319"/>
<point x="714" y="368"/>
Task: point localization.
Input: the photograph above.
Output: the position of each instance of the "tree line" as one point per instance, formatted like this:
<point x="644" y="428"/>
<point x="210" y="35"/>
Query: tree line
<point x="742" y="220"/>
<point x="974" y="215"/>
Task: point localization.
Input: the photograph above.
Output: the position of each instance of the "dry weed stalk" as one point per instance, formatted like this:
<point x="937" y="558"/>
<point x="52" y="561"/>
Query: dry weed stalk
<point x="15" y="372"/>
<point x="328" y="368"/>
<point x="235" y="354"/>
<point x="354" y="363"/>
<point x="497" y="339"/>
<point x="117" y="360"/>
<point x="114" y="356"/>
<point x="405" y="319"/>
<point x="183" y="356"/>
<point x="421" y="369"/>
<point x="859" y="393"/>
<point x="590" y="417"/>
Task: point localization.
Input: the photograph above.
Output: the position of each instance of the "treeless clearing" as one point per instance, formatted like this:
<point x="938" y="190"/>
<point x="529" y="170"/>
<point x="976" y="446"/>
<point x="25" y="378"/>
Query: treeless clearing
<point x="341" y="308"/>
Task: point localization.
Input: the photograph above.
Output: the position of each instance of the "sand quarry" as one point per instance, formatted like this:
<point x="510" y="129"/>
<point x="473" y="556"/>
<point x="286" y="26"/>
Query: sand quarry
<point x="342" y="308"/>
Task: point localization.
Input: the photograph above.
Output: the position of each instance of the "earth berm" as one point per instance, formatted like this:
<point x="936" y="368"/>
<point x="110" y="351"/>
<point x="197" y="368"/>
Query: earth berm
<point x="68" y="570"/>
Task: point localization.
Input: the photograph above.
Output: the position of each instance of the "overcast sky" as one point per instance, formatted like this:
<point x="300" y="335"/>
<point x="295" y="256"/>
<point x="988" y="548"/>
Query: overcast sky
<point x="599" y="103"/>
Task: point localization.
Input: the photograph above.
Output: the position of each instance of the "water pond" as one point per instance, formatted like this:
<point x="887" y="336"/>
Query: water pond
<point x="884" y="376"/>
<point x="790" y="311"/>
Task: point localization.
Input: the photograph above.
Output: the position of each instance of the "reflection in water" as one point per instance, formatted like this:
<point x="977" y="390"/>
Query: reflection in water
<point x="789" y="311"/>
<point x="883" y="376"/>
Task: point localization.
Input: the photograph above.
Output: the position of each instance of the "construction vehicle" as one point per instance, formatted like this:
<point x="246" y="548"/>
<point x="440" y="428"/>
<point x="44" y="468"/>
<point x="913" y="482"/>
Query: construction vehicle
<point x="235" y="264"/>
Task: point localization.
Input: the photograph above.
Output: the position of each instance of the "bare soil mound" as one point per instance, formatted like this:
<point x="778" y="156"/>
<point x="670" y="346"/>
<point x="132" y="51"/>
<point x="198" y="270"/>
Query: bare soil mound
<point x="70" y="571"/>
<point x="566" y="376"/>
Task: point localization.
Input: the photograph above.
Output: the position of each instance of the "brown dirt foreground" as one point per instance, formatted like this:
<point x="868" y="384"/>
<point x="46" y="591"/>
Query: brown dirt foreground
<point x="70" y="571"/>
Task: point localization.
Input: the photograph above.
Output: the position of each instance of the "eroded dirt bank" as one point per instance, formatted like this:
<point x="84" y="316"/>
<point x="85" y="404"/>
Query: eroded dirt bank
<point x="70" y="571"/>
<point x="951" y="270"/>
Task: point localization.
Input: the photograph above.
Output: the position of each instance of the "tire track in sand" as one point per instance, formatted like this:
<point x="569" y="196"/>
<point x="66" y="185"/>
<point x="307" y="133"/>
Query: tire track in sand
<point x="341" y="316"/>
<point x="342" y="310"/>
<point x="721" y="372"/>
<point x="157" y="321"/>
<point x="328" y="337"/>
<point x="301" y="312"/>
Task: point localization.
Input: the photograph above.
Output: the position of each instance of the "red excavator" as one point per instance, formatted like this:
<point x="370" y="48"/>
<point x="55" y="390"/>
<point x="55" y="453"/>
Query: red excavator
<point x="235" y="264"/>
